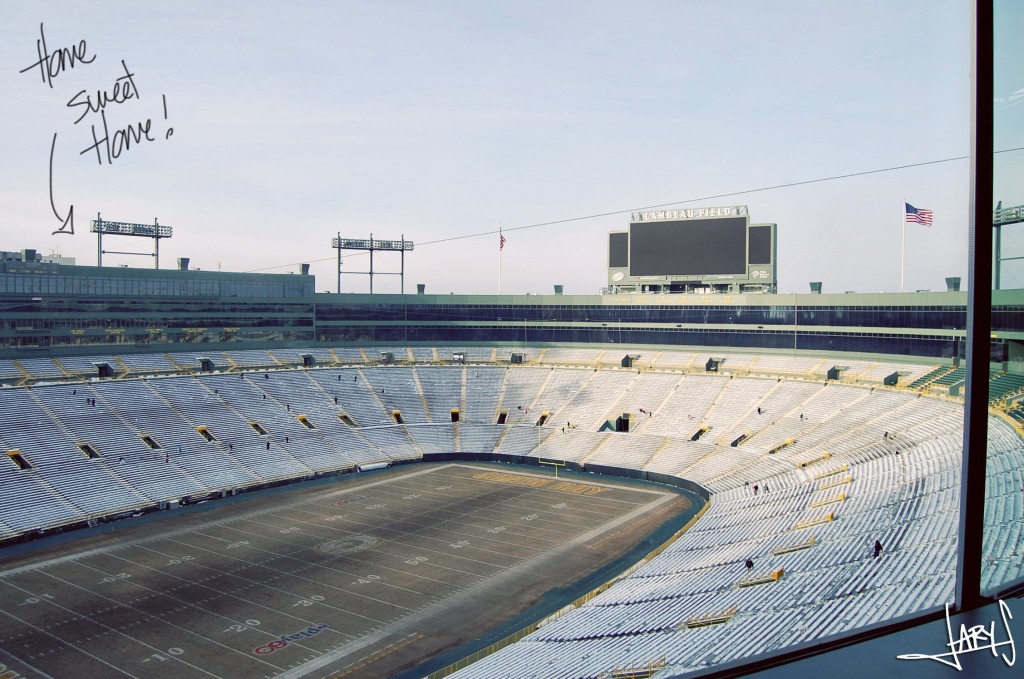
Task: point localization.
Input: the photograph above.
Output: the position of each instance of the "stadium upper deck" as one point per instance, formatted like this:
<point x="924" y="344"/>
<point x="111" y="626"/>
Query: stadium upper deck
<point x="62" y="309"/>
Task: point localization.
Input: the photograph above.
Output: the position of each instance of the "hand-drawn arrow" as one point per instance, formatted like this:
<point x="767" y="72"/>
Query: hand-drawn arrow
<point x="67" y="223"/>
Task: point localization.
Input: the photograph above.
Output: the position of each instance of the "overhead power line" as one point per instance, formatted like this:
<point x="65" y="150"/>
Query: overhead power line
<point x="613" y="213"/>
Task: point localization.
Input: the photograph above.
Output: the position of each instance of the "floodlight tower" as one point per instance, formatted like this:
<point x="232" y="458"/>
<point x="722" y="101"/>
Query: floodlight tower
<point x="1001" y="217"/>
<point x="156" y="231"/>
<point x="401" y="246"/>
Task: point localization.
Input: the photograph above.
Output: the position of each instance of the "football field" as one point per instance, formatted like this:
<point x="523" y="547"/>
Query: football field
<point x="362" y="577"/>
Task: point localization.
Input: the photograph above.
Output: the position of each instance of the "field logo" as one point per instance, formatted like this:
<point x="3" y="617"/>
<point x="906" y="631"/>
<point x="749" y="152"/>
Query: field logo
<point x="282" y="641"/>
<point x="9" y="674"/>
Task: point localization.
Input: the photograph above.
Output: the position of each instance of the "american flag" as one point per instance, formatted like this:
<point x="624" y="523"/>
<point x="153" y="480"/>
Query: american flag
<point x="916" y="215"/>
<point x="501" y="241"/>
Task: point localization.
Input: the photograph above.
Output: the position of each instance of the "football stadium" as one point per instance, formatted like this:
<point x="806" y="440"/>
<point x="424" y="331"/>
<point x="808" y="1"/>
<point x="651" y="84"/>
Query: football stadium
<point x="229" y="474"/>
<point x="691" y="472"/>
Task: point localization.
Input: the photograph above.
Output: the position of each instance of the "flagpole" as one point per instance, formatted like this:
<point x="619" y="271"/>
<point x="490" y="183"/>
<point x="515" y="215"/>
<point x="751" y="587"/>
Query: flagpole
<point x="499" y="259"/>
<point x="903" y="243"/>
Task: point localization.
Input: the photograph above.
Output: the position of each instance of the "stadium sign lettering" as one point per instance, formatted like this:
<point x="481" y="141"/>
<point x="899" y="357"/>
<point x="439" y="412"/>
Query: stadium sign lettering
<point x="514" y="479"/>
<point x="576" y="488"/>
<point x="690" y="213"/>
<point x="518" y="480"/>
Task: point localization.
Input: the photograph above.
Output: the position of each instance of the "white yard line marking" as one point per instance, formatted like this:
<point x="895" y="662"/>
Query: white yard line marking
<point x="111" y="629"/>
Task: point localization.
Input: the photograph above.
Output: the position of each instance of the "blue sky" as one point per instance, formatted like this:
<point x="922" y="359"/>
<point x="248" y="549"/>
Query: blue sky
<point x="294" y="122"/>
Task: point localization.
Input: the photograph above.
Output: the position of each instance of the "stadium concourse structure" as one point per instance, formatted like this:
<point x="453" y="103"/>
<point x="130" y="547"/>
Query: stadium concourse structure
<point x="814" y="424"/>
<point x="49" y="309"/>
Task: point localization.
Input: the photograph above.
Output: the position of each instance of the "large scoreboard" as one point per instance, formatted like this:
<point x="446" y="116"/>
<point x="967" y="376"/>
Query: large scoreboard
<point x="710" y="249"/>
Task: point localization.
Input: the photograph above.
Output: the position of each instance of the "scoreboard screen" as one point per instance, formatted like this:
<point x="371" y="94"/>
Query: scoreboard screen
<point x="691" y="247"/>
<point x="693" y="250"/>
<point x="761" y="244"/>
<point x="618" y="249"/>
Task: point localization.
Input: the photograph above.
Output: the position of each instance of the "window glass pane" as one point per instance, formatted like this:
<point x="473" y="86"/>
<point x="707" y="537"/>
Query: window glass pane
<point x="1003" y="542"/>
